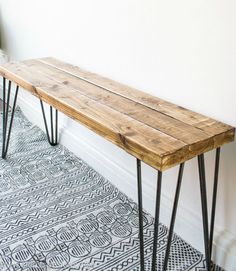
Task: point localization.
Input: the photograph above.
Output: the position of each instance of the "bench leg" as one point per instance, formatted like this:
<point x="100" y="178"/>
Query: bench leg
<point x="140" y="212"/>
<point x="173" y="216"/>
<point x="157" y="214"/>
<point x="208" y="237"/>
<point x="6" y="132"/>
<point x="156" y="223"/>
<point x="53" y="138"/>
<point x="213" y="208"/>
<point x="202" y="178"/>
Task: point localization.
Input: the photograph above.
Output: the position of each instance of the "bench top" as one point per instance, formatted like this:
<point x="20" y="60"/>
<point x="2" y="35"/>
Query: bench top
<point x="157" y="132"/>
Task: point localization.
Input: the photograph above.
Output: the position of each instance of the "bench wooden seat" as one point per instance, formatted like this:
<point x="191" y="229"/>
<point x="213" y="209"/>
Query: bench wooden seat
<point x="157" y="132"/>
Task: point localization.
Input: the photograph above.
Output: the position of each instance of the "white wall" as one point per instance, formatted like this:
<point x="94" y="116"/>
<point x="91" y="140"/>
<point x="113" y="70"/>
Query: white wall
<point x="183" y="51"/>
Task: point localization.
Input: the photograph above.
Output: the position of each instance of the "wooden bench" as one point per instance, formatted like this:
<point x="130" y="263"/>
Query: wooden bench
<point x="155" y="131"/>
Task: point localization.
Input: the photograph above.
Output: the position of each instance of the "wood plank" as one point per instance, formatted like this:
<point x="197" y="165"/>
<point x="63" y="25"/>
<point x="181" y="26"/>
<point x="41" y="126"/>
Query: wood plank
<point x="177" y="112"/>
<point x="19" y="74"/>
<point x="149" y="134"/>
<point x="125" y="132"/>
<point x="196" y="138"/>
<point x="172" y="127"/>
<point x="149" y="145"/>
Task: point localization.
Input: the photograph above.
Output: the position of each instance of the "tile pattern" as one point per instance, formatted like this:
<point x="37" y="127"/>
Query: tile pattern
<point x="57" y="213"/>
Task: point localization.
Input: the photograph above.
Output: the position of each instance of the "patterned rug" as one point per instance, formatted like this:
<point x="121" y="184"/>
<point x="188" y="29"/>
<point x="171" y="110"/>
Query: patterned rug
<point x="57" y="213"/>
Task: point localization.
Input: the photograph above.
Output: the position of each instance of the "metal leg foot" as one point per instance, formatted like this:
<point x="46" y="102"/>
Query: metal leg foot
<point x="6" y="105"/>
<point x="173" y="216"/>
<point x="53" y="138"/>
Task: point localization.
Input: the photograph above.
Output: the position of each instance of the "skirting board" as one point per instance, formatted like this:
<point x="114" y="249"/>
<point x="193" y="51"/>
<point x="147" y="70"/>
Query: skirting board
<point x="224" y="251"/>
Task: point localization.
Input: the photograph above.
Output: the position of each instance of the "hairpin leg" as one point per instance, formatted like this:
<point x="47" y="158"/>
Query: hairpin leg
<point x="156" y="223"/>
<point x="53" y="138"/>
<point x="173" y="216"/>
<point x="202" y="178"/>
<point x="213" y="209"/>
<point x="140" y="209"/>
<point x="208" y="236"/>
<point x="6" y="106"/>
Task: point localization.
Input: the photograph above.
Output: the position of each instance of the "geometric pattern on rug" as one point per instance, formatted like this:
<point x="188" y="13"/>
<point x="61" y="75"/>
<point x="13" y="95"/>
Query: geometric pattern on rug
<point x="57" y="213"/>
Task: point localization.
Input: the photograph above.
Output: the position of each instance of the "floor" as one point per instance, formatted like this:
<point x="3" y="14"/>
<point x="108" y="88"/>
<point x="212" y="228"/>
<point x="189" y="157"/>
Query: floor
<point x="57" y="213"/>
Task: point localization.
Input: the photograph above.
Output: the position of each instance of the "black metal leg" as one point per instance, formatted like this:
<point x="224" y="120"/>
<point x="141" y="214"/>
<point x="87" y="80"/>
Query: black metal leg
<point x="53" y="139"/>
<point x="173" y="216"/>
<point x="202" y="178"/>
<point x="3" y="116"/>
<point x="156" y="223"/>
<point x="140" y="211"/>
<point x="213" y="209"/>
<point x="6" y="105"/>
<point x="208" y="237"/>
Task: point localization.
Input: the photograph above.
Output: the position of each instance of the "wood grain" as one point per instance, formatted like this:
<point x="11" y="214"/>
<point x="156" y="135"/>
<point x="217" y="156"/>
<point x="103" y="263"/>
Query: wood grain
<point x="157" y="132"/>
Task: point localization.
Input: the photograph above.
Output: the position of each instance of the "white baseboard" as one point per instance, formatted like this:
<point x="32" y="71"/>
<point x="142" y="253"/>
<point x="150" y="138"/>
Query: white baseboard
<point x="187" y="222"/>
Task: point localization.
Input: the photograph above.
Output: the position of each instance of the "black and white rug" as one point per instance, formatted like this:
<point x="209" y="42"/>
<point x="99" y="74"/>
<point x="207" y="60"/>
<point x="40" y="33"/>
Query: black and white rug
<point x="57" y="213"/>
